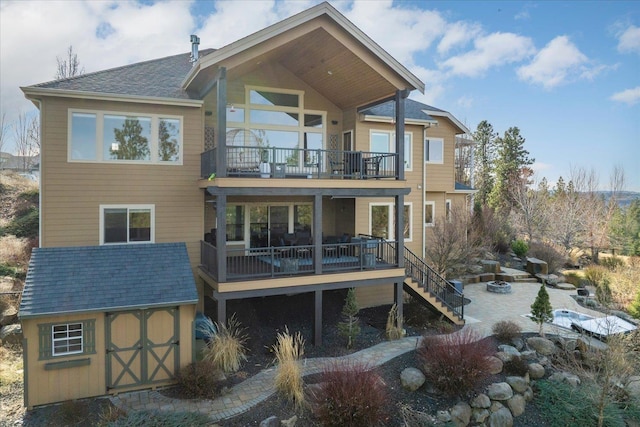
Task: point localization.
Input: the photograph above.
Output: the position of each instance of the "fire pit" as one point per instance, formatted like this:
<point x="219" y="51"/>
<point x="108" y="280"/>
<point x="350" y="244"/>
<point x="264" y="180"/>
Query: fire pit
<point x="499" y="287"/>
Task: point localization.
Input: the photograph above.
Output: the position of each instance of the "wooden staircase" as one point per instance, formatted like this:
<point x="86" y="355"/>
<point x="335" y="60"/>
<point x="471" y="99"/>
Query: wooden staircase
<point x="427" y="286"/>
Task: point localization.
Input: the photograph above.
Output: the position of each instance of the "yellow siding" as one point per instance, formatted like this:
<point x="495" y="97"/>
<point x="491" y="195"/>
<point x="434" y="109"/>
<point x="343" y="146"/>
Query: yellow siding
<point x="58" y="385"/>
<point x="371" y="296"/>
<point x="72" y="192"/>
<point x="441" y="177"/>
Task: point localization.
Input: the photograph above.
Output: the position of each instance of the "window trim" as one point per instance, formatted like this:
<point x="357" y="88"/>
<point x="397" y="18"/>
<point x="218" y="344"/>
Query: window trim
<point x="46" y="340"/>
<point x="67" y="339"/>
<point x="391" y="217"/>
<point x="408" y="157"/>
<point x="154" y="142"/>
<point x="152" y="234"/>
<point x="433" y="213"/>
<point x="426" y="151"/>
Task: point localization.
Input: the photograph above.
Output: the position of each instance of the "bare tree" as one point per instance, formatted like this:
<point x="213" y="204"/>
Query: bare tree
<point x="531" y="207"/>
<point x="4" y="130"/>
<point x="24" y="144"/>
<point x="33" y="133"/>
<point x="68" y="66"/>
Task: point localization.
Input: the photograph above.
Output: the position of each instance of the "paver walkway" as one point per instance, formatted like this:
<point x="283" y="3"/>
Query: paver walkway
<point x="485" y="309"/>
<point x="256" y="389"/>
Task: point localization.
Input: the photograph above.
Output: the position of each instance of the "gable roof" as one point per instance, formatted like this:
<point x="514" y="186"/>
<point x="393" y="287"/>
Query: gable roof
<point x="100" y="278"/>
<point x="413" y="111"/>
<point x="158" y="78"/>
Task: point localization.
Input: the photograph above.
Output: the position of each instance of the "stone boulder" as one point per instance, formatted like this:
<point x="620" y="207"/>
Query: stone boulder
<point x="516" y="405"/>
<point x="632" y="387"/>
<point x="501" y="418"/>
<point x="542" y="345"/>
<point x="537" y="266"/>
<point x="536" y="371"/>
<point x="479" y="415"/>
<point x="509" y="349"/>
<point x="494" y="365"/>
<point x="8" y="316"/>
<point x="291" y="422"/>
<point x="272" y="421"/>
<point x="565" y="377"/>
<point x="500" y="391"/>
<point x="518" y="384"/>
<point x="490" y="266"/>
<point x="461" y="414"/>
<point x="412" y="379"/>
<point x="481" y="401"/>
<point x="11" y="334"/>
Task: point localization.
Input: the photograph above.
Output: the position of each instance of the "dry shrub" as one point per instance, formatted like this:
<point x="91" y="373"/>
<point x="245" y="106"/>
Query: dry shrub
<point x="572" y="277"/>
<point x="594" y="274"/>
<point x="516" y="366"/>
<point x="350" y="394"/>
<point x="393" y="329"/>
<point x="201" y="379"/>
<point x="624" y="285"/>
<point x="111" y="414"/>
<point x="506" y="330"/>
<point x="549" y="254"/>
<point x="226" y="349"/>
<point x="15" y="251"/>
<point x="415" y="418"/>
<point x="10" y="366"/>
<point x="288" y="350"/>
<point x="455" y="363"/>
<point x="612" y="263"/>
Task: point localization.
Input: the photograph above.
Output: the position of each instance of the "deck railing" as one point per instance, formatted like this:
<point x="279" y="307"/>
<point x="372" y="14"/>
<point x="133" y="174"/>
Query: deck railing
<point x="275" y="162"/>
<point x="282" y="261"/>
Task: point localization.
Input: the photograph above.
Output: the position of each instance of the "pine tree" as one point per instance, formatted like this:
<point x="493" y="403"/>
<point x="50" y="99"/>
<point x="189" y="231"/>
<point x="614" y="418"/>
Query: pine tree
<point x="511" y="164"/>
<point x="350" y="327"/>
<point x="541" y="310"/>
<point x="131" y="144"/>
<point x="484" y="157"/>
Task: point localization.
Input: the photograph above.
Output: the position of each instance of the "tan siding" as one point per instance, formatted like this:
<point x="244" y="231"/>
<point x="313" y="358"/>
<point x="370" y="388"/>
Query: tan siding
<point x="72" y="192"/>
<point x="58" y="385"/>
<point x="371" y="296"/>
<point x="441" y="177"/>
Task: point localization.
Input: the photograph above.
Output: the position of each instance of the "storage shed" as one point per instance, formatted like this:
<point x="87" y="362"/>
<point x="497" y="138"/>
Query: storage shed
<point x="104" y="319"/>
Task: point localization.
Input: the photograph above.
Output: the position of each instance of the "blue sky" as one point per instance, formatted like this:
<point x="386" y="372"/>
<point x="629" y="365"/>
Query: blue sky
<point x="566" y="73"/>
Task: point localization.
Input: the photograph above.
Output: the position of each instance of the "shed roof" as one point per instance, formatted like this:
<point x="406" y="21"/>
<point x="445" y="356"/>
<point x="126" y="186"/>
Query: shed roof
<point x="102" y="278"/>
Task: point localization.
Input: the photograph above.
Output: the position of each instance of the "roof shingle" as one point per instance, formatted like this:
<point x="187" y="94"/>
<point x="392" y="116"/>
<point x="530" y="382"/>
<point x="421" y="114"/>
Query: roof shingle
<point x="101" y="278"/>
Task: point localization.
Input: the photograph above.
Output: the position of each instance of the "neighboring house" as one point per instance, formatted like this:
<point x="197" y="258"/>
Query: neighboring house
<point x="273" y="159"/>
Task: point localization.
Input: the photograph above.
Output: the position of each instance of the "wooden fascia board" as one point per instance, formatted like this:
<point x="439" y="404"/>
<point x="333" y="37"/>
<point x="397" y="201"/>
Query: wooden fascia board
<point x="292" y="23"/>
<point x="451" y="117"/>
<point x="32" y="93"/>
<point x="386" y="119"/>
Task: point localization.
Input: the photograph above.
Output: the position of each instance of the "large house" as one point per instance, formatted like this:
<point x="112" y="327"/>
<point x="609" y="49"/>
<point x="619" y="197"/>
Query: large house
<point x="290" y="161"/>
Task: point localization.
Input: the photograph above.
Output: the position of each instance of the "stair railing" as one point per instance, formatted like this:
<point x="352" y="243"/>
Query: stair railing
<point x="433" y="283"/>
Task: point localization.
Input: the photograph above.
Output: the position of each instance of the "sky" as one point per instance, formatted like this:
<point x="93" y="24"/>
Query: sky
<point x="567" y="74"/>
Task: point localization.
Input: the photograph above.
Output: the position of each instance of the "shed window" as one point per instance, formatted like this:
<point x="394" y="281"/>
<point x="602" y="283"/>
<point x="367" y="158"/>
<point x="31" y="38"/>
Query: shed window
<point x="64" y="339"/>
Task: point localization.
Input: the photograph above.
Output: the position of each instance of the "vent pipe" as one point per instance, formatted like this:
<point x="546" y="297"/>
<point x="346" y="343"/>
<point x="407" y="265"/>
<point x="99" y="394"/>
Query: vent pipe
<point x="195" y="41"/>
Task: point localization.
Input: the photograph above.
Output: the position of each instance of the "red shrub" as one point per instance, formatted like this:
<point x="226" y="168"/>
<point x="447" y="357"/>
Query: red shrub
<point x="350" y="394"/>
<point x="456" y="363"/>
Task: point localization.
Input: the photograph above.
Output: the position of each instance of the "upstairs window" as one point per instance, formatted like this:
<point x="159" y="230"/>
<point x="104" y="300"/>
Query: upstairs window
<point x="124" y="138"/>
<point x="127" y="224"/>
<point x="434" y="150"/>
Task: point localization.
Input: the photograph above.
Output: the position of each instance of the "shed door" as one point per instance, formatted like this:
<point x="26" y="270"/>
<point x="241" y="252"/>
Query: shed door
<point x="142" y="347"/>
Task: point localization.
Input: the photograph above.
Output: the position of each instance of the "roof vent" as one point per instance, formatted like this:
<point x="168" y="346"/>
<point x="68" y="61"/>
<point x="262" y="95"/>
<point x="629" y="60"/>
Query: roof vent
<point x="195" y="41"/>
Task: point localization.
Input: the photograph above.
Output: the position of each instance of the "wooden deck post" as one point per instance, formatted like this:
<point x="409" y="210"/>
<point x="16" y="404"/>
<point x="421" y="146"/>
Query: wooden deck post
<point x="397" y="299"/>
<point x="317" y="319"/>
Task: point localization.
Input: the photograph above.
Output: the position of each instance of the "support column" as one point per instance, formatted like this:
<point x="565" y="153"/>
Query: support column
<point x="397" y="299"/>
<point x="401" y="95"/>
<point x="221" y="125"/>
<point x="221" y="309"/>
<point x="317" y="319"/>
<point x="221" y="236"/>
<point x="399" y="211"/>
<point x="317" y="233"/>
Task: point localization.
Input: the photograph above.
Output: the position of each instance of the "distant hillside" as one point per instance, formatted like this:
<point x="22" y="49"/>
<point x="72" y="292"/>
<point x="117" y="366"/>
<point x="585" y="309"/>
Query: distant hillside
<point x="624" y="197"/>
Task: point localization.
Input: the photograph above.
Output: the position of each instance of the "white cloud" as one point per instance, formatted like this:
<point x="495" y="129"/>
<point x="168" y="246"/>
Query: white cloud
<point x="490" y="51"/>
<point x="629" y="96"/>
<point x="465" y="101"/>
<point x="554" y="64"/>
<point x="522" y="15"/>
<point x="538" y="167"/>
<point x="629" y="40"/>
<point x="401" y="31"/>
<point x="458" y="34"/>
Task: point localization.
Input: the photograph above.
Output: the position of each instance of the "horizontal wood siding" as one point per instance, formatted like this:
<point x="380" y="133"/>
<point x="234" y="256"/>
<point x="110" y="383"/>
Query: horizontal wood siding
<point x="72" y="192"/>
<point x="441" y="177"/>
<point x="58" y="385"/>
<point x="372" y="296"/>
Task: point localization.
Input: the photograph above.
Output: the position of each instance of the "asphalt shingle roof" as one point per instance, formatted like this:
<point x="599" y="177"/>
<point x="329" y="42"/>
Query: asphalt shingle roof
<point x="101" y="278"/>
<point x="155" y="78"/>
<point x="412" y="110"/>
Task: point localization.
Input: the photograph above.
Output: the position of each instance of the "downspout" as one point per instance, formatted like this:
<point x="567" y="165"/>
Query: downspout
<point x="39" y="105"/>
<point x="424" y="192"/>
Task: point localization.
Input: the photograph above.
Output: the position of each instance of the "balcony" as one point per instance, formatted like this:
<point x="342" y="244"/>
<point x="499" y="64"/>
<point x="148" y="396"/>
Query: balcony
<point x="283" y="261"/>
<point x="274" y="162"/>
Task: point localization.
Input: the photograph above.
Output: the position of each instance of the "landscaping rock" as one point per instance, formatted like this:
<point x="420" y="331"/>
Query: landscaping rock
<point x="537" y="266"/>
<point x="528" y="394"/>
<point x="490" y="266"/>
<point x="518" y="343"/>
<point x="11" y="334"/>
<point x="542" y="345"/>
<point x="443" y="416"/>
<point x="566" y="286"/>
<point x="481" y="401"/>
<point x="633" y="387"/>
<point x="412" y="379"/>
<point x="529" y="354"/>
<point x="504" y="357"/>
<point x="500" y="391"/>
<point x="516" y="405"/>
<point x="495" y="365"/>
<point x="548" y="279"/>
<point x="565" y="377"/>
<point x="509" y="349"/>
<point x="272" y="421"/>
<point x="461" y="414"/>
<point x="495" y="406"/>
<point x="518" y="384"/>
<point x="536" y="371"/>
<point x="480" y="415"/>
<point x="501" y="418"/>
<point x="8" y="316"/>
